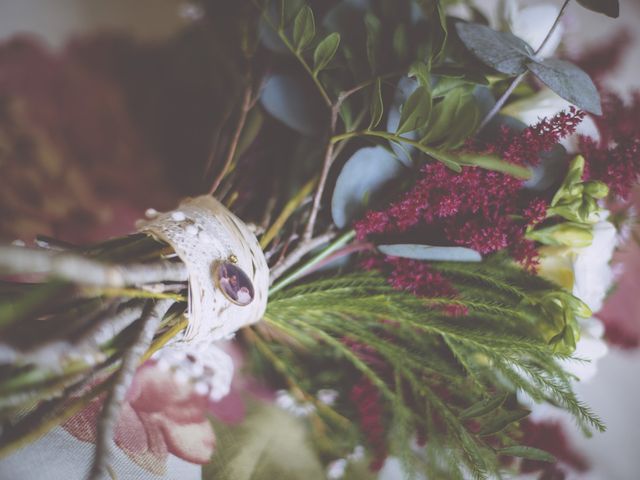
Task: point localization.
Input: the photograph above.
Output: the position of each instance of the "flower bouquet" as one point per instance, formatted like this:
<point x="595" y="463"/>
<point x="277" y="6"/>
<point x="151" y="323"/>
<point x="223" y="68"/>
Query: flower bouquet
<point x="423" y="190"/>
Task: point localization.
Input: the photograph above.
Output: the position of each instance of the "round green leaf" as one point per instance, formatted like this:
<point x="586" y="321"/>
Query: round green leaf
<point x="500" y="50"/>
<point x="610" y="8"/>
<point x="568" y="81"/>
<point x="362" y="178"/>
<point x="294" y="102"/>
<point x="429" y="252"/>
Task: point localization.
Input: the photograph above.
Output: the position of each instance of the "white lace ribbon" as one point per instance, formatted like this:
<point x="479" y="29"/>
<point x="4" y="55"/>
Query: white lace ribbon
<point x="203" y="234"/>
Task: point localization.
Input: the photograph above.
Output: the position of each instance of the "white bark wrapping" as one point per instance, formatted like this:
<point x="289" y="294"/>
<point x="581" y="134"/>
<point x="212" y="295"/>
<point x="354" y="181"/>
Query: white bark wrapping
<point x="203" y="232"/>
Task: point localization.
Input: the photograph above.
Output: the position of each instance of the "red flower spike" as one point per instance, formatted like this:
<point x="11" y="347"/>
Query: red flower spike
<point x="476" y="208"/>
<point x="365" y="396"/>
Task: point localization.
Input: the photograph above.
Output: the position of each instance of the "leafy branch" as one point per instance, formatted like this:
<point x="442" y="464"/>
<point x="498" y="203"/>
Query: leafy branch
<point x="415" y="338"/>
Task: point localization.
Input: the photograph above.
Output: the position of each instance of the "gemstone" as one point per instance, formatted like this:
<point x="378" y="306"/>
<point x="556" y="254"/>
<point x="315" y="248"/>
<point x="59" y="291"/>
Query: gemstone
<point x="234" y="283"/>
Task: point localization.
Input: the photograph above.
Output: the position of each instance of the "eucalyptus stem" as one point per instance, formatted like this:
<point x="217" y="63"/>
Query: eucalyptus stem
<point x="305" y="268"/>
<point x="516" y="81"/>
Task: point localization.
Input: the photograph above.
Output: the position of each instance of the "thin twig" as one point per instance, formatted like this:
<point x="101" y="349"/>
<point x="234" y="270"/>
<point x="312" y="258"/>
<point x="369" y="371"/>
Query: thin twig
<point x="287" y="211"/>
<point x="516" y="81"/>
<point x="326" y="166"/>
<point x="307" y="267"/>
<point x="300" y="251"/>
<point x="247" y="103"/>
<point x="110" y="410"/>
<point x="84" y="271"/>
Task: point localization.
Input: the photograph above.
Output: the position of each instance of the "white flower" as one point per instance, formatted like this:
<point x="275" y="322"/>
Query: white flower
<point x="327" y="396"/>
<point x="591" y="268"/>
<point x="288" y="403"/>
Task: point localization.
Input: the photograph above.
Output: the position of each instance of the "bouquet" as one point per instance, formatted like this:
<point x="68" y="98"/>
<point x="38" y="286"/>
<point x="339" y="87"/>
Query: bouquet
<point x="420" y="238"/>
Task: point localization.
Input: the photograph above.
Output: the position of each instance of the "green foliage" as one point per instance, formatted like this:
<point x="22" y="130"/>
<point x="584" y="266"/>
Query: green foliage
<point x="304" y="28"/>
<point x="502" y="51"/>
<point x="415" y="111"/>
<point x="377" y="105"/>
<point x="268" y="444"/>
<point x="529" y="453"/>
<point x="568" y="81"/>
<point x="325" y="51"/>
<point x="510" y="55"/>
<point x="610" y="8"/>
<point x="441" y="370"/>
<point x="430" y="252"/>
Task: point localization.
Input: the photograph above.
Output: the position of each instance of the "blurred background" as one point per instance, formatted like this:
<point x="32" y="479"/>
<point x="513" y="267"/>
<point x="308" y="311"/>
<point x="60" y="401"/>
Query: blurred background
<point x="108" y="108"/>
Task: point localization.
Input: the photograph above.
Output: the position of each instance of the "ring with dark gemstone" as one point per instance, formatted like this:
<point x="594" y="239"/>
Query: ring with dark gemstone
<point x="234" y="283"/>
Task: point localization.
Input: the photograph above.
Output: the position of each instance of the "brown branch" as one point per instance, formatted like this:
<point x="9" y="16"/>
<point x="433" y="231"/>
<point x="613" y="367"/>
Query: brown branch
<point x="247" y="104"/>
<point x="326" y="166"/>
<point x="296" y="255"/>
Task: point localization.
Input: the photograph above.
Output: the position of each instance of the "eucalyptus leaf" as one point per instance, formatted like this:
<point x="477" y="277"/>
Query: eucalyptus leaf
<point x="568" y="81"/>
<point x="610" y="8"/>
<point x="325" y="51"/>
<point x="254" y="449"/>
<point x="530" y="453"/>
<point x="415" y="111"/>
<point x="550" y="169"/>
<point x="361" y="180"/>
<point x="304" y="28"/>
<point x="293" y="101"/>
<point x="502" y="51"/>
<point x="377" y="107"/>
<point x="430" y="252"/>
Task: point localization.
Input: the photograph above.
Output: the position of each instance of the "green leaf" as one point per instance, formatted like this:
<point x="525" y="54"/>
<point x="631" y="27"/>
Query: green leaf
<point x="568" y="81"/>
<point x="325" y="51"/>
<point x="530" y="453"/>
<point x="377" y="107"/>
<point x="442" y="117"/>
<point x="415" y="111"/>
<point x="492" y="162"/>
<point x="304" y="28"/>
<point x="254" y="449"/>
<point x="373" y="27"/>
<point x="502" y="51"/>
<point x="420" y="71"/>
<point x="610" y="8"/>
<point x="360" y="181"/>
<point x="430" y="252"/>
<point x="483" y="407"/>
<point x="502" y="421"/>
<point x="466" y="120"/>
<point x="400" y="42"/>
